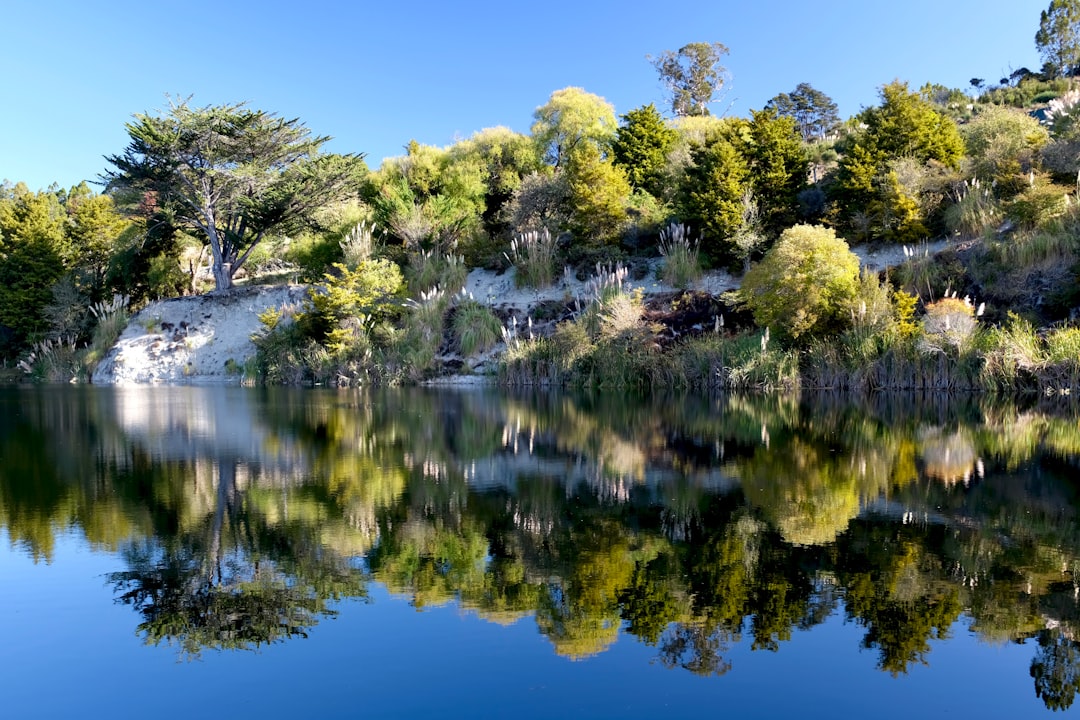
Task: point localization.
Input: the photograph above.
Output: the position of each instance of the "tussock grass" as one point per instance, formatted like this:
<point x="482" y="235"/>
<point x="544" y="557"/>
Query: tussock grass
<point x="428" y="270"/>
<point x="1025" y="250"/>
<point x="112" y="317"/>
<point x="475" y="327"/>
<point x="975" y="212"/>
<point x="682" y="264"/>
<point x="533" y="256"/>
<point x="54" y="360"/>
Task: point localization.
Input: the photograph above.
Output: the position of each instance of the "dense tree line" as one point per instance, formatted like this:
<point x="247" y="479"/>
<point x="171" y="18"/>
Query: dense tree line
<point x="214" y="193"/>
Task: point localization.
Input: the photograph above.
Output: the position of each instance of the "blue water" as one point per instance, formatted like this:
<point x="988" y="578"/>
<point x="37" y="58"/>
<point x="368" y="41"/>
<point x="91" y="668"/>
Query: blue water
<point x="71" y="648"/>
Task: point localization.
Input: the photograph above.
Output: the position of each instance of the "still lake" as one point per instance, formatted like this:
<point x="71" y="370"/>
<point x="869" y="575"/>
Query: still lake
<point x="171" y="552"/>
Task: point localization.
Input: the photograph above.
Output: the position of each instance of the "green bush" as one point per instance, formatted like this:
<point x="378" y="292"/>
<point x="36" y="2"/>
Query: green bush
<point x="805" y="283"/>
<point x="1038" y="207"/>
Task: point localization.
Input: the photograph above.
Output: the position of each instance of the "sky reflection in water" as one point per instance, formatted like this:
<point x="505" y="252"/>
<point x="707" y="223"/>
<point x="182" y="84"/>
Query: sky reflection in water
<point x="756" y="557"/>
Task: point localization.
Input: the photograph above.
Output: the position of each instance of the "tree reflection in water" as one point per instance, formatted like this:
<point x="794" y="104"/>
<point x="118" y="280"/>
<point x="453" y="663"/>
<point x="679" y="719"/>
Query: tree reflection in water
<point x="691" y="524"/>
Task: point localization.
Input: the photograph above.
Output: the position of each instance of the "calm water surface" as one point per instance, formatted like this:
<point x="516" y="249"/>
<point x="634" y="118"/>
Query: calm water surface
<point x="172" y="552"/>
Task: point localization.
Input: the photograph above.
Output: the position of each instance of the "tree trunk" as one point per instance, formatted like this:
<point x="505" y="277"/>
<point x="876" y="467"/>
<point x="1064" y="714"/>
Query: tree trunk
<point x="221" y="269"/>
<point x="222" y="275"/>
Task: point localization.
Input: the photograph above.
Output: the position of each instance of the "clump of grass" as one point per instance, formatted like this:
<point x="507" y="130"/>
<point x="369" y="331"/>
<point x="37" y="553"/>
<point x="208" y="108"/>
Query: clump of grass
<point x="111" y="318"/>
<point x="1063" y="345"/>
<point x="357" y="245"/>
<point x="606" y="346"/>
<point x="543" y="361"/>
<point x="681" y="261"/>
<point x="53" y="360"/>
<point x="533" y="256"/>
<point x="1028" y="249"/>
<point x="604" y="306"/>
<point x="428" y="270"/>
<point x="1012" y="354"/>
<point x="1018" y="358"/>
<point x="745" y="361"/>
<point x="974" y="211"/>
<point x="417" y="346"/>
<point x="922" y="274"/>
<point x="475" y="326"/>
<point x="1061" y="373"/>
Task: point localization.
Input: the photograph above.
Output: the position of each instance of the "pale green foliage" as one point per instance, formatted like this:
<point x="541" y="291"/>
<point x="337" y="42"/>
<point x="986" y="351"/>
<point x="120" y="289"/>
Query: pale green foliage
<point x="1002" y="142"/>
<point x="805" y="283"/>
<point x="429" y="199"/>
<point x="681" y="263"/>
<point x="504" y="157"/>
<point x="573" y="118"/>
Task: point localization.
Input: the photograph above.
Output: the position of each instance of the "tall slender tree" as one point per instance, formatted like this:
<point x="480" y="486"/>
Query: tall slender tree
<point x="1058" y="38"/>
<point x="694" y="76"/>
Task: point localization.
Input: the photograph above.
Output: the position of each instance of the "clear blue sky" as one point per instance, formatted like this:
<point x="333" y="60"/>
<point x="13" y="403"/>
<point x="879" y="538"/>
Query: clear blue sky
<point x="374" y="75"/>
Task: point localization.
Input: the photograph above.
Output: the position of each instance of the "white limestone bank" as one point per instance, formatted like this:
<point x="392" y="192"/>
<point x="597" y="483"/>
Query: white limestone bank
<point x="207" y="338"/>
<point x="196" y="339"/>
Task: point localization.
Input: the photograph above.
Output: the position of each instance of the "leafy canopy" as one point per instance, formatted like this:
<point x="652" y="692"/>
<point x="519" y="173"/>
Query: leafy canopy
<point x="1058" y="37"/>
<point x="230" y="173"/>
<point x="571" y="119"/>
<point x="813" y="111"/>
<point x="641" y="147"/>
<point x="693" y="75"/>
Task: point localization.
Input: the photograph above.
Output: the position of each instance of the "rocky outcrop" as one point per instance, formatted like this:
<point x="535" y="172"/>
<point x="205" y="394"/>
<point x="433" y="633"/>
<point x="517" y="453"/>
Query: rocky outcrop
<point x="196" y="339"/>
